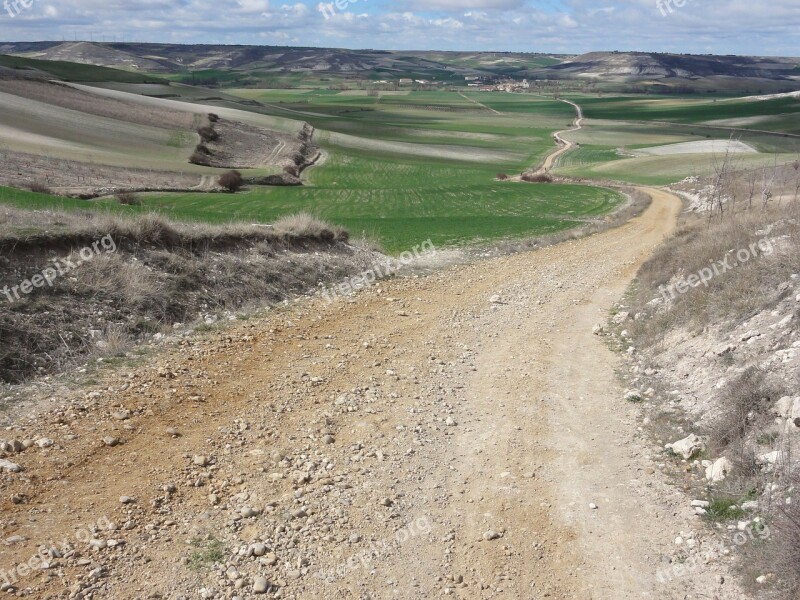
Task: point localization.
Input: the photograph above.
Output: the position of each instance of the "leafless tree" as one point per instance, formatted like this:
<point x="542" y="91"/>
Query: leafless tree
<point x="768" y="184"/>
<point x="723" y="169"/>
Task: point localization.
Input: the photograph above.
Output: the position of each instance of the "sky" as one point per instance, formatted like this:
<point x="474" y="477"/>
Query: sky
<point x="751" y="27"/>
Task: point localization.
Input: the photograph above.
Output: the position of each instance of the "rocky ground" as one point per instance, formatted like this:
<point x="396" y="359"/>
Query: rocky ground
<point x="462" y="434"/>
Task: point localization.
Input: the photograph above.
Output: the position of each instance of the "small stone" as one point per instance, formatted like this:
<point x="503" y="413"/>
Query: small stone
<point x="450" y="422"/>
<point x="126" y="500"/>
<point x="329" y="439"/>
<point x="248" y="512"/>
<point x="491" y="535"/>
<point x="259" y="549"/>
<point x="7" y="465"/>
<point x="111" y="441"/>
<point x="260" y="585"/>
<point x="121" y="415"/>
<point x="44" y="442"/>
<point x="173" y="432"/>
<point x="200" y="460"/>
<point x="593" y="506"/>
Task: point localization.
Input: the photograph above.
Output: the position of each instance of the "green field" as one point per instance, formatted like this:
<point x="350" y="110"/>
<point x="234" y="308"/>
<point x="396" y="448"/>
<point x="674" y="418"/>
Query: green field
<point x="69" y="71"/>
<point x="402" y="168"/>
<point x="617" y="127"/>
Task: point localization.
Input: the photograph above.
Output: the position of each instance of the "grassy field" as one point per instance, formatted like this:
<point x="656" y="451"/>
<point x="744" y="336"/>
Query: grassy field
<point x="402" y="168"/>
<point x="617" y="127"/>
<point x="69" y="71"/>
<point x="777" y="114"/>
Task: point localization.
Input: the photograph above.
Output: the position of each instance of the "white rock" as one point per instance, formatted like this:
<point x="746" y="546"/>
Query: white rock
<point x="786" y="406"/>
<point x="687" y="447"/>
<point x="700" y="503"/>
<point x="770" y="458"/>
<point x="496" y="299"/>
<point x="44" y="442"/>
<point x="718" y="471"/>
<point x="7" y="465"/>
<point x="620" y="317"/>
<point x="260" y="585"/>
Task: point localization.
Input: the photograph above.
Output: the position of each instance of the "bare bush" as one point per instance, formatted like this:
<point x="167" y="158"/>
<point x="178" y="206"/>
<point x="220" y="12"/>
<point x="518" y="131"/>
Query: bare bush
<point x="208" y="134"/>
<point x="231" y="181"/>
<point x="39" y="188"/>
<point x="306" y="226"/>
<point x="748" y="400"/>
<point x="200" y="158"/>
<point x="501" y="176"/>
<point x="537" y="178"/>
<point x="128" y="198"/>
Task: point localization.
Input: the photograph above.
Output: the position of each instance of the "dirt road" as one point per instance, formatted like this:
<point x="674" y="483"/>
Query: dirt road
<point x="564" y="145"/>
<point x="435" y="436"/>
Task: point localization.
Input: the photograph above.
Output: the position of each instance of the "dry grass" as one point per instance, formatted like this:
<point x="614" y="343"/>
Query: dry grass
<point x="732" y="296"/>
<point x="161" y="273"/>
<point x="306" y="226"/>
<point x="741" y="425"/>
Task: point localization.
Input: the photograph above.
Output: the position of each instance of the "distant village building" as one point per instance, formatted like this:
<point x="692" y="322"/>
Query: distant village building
<point x="405" y="81"/>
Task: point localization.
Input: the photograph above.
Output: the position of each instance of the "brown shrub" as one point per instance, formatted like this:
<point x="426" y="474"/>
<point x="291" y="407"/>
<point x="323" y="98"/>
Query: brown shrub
<point x="231" y="181"/>
<point x="39" y="188"/>
<point x="306" y="226"/>
<point x="208" y="134"/>
<point x="128" y="198"/>
<point x="199" y="158"/>
<point x="502" y="176"/>
<point x="537" y="178"/>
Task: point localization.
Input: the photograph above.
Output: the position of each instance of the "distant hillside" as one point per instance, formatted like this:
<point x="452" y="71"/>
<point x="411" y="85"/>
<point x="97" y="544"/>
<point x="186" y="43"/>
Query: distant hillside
<point x="642" y="64"/>
<point x="71" y="71"/>
<point x="276" y="66"/>
<point x="176" y="59"/>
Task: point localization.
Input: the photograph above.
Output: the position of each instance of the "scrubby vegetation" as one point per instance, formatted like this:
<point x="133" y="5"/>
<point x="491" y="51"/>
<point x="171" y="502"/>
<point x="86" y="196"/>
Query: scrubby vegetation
<point x="151" y="274"/>
<point x="719" y="303"/>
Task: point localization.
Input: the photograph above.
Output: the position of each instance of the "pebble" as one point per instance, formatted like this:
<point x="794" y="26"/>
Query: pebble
<point x="329" y="439"/>
<point x="260" y="585"/>
<point x="200" y="460"/>
<point x="111" y="441"/>
<point x="7" y="465"/>
<point x="491" y="535"/>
